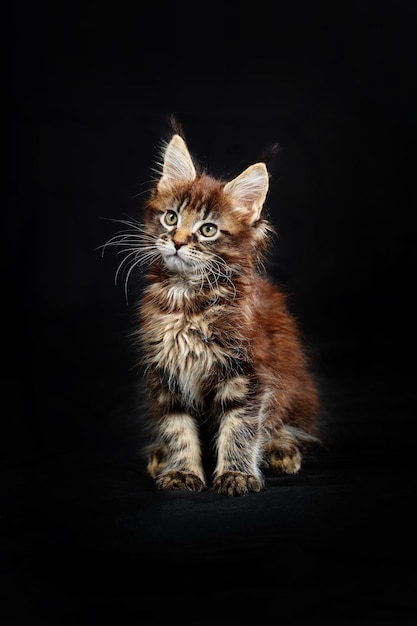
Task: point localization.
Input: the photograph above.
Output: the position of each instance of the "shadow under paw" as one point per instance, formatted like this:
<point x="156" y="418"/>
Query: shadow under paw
<point x="236" y="484"/>
<point x="180" y="480"/>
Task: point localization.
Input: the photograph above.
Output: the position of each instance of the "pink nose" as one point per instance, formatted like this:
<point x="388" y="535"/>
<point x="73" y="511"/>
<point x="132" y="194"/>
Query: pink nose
<point x="178" y="244"/>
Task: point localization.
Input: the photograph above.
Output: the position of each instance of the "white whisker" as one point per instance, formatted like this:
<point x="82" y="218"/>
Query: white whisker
<point x="140" y="248"/>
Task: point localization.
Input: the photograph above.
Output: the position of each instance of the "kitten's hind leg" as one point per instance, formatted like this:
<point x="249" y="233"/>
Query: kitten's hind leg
<point x="282" y="453"/>
<point x="280" y="459"/>
<point x="157" y="460"/>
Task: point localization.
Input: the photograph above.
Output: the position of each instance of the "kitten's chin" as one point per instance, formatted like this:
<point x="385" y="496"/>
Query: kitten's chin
<point x="177" y="264"/>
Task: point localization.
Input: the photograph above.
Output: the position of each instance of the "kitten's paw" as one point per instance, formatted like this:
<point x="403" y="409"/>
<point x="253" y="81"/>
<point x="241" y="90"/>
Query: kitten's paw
<point x="180" y="480"/>
<point x="236" y="484"/>
<point x="283" y="460"/>
<point x="157" y="460"/>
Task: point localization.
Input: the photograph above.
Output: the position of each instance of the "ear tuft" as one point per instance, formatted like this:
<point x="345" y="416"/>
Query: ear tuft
<point x="177" y="165"/>
<point x="248" y="191"/>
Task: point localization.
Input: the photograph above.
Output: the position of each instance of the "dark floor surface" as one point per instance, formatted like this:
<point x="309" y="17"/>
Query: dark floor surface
<point x="86" y="537"/>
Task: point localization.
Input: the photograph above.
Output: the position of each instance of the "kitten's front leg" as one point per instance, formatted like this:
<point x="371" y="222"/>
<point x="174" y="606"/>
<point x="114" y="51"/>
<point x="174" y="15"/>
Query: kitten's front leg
<point x="238" y="447"/>
<point x="175" y="462"/>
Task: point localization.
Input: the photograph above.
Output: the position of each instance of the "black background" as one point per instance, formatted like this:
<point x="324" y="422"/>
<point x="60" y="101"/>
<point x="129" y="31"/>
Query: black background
<point x="90" y="90"/>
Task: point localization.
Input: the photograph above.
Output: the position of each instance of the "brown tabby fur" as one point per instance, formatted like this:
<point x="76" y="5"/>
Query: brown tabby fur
<point x="226" y="372"/>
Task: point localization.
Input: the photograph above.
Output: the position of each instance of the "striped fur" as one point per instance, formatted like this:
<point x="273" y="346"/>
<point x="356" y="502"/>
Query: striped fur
<point x="226" y="372"/>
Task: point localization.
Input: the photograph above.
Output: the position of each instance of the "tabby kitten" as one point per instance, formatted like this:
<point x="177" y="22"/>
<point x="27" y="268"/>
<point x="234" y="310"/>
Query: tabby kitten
<point x="226" y="372"/>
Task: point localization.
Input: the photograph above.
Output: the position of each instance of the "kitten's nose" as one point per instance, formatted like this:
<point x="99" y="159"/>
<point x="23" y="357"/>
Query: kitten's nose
<point x="178" y="244"/>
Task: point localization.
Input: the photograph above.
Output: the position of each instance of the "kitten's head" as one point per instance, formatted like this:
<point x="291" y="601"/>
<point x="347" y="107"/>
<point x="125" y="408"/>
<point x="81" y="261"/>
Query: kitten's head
<point x="200" y="224"/>
<point x="204" y="231"/>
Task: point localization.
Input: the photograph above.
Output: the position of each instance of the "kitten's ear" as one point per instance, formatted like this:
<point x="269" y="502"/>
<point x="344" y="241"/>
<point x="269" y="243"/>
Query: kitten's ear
<point x="249" y="191"/>
<point x="177" y="165"/>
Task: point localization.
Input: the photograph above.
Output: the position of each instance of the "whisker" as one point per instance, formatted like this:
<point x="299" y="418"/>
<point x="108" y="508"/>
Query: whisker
<point x="140" y="248"/>
<point x="124" y="262"/>
<point x="137" y="247"/>
<point x="127" y="280"/>
<point x="212" y="270"/>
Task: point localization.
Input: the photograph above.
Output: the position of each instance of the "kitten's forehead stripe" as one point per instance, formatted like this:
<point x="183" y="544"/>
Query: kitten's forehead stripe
<point x="184" y="203"/>
<point x="200" y="207"/>
<point x="206" y="211"/>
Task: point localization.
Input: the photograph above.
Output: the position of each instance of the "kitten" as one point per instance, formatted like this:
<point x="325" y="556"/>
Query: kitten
<point x="226" y="373"/>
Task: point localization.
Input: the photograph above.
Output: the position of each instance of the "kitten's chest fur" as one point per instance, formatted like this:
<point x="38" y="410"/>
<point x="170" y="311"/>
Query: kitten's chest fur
<point x="186" y="347"/>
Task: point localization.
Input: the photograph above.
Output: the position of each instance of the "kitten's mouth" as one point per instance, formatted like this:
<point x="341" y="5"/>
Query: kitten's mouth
<point x="176" y="262"/>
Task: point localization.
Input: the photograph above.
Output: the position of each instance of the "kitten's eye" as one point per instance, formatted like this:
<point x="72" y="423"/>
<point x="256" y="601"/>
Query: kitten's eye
<point x="208" y="230"/>
<point x="171" y="218"/>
